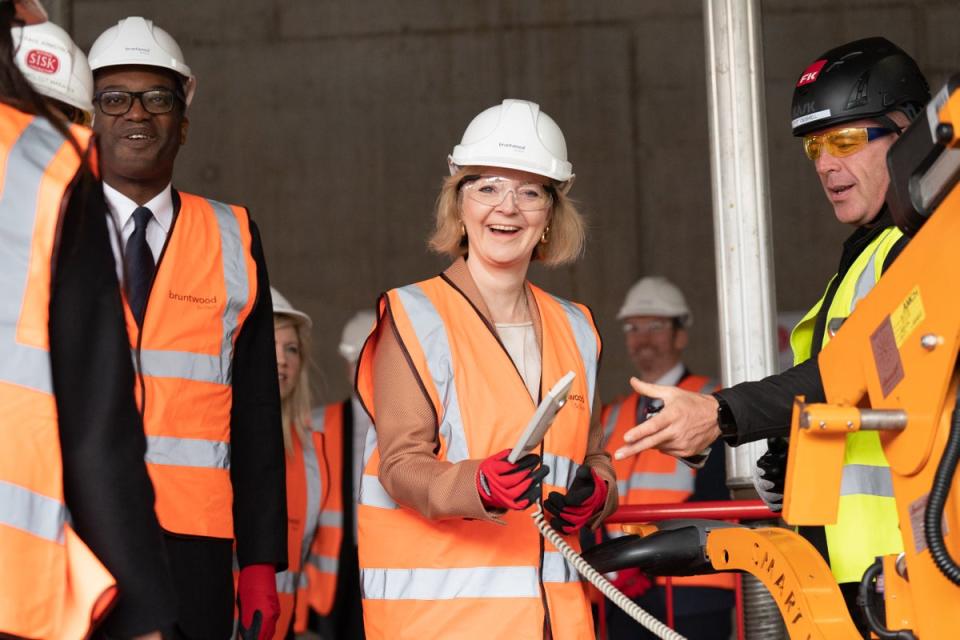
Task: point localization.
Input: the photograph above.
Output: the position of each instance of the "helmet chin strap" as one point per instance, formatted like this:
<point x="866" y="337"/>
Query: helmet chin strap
<point x="888" y="122"/>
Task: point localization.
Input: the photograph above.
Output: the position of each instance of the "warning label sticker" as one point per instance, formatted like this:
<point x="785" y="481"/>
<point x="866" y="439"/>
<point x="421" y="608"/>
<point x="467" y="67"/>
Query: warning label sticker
<point x="886" y="356"/>
<point x="907" y="316"/>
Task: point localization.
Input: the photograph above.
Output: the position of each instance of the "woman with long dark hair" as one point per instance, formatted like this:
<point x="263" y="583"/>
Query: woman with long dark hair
<point x="79" y="542"/>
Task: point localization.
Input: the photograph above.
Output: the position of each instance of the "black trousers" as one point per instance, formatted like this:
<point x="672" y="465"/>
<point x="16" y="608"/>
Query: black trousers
<point x="203" y="577"/>
<point x="711" y="621"/>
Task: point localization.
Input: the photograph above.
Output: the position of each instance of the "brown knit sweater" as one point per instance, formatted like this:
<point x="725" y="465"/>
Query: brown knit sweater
<point x="406" y="431"/>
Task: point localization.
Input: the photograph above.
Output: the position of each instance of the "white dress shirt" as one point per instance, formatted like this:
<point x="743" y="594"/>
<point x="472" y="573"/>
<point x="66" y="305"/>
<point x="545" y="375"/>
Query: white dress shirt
<point x="121" y="212"/>
<point x="672" y="377"/>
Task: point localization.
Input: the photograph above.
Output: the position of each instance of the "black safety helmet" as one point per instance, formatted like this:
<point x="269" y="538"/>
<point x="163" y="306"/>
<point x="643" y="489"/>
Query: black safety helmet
<point x="866" y="78"/>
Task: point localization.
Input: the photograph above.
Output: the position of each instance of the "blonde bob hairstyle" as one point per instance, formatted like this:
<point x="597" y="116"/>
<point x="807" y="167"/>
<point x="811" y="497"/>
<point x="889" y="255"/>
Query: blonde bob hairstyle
<point x="566" y="231"/>
<point x="296" y="408"/>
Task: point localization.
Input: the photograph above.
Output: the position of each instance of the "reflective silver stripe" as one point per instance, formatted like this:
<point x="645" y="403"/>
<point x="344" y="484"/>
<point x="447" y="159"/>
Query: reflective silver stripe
<point x="586" y="343"/>
<point x="323" y="564"/>
<point x="866" y="480"/>
<point x="867" y="278"/>
<point x="562" y="470"/>
<point x="188" y="452"/>
<point x="331" y="519"/>
<point x="449" y="584"/>
<point x="317" y="419"/>
<point x="611" y="423"/>
<point x="432" y="336"/>
<point x="36" y="147"/>
<point x="556" y="568"/>
<point x="203" y="367"/>
<point x="200" y="367"/>
<point x="311" y="467"/>
<point x="681" y="479"/>
<point x="373" y="494"/>
<point x="287" y="582"/>
<point x="234" y="275"/>
<point x="32" y="512"/>
<point x="708" y="386"/>
<point x="369" y="446"/>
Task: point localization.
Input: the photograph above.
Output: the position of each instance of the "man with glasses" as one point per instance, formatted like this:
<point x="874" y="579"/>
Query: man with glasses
<point x="200" y="321"/>
<point x="655" y="320"/>
<point x="849" y="106"/>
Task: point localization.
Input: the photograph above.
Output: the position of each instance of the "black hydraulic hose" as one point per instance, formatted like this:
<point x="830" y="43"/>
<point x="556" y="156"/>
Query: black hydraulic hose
<point x="863" y="600"/>
<point x="933" y="516"/>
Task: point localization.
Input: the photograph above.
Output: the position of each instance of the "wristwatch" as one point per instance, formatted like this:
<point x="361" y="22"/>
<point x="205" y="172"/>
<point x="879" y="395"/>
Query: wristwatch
<point x="725" y="420"/>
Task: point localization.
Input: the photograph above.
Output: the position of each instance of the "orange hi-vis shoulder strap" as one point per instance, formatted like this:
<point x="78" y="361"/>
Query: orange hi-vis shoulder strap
<point x="203" y="291"/>
<point x="470" y="578"/>
<point x="53" y="586"/>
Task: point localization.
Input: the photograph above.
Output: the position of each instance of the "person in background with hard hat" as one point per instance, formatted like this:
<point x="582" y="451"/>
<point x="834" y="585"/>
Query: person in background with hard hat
<point x="79" y="542"/>
<point x="847" y="141"/>
<point x="656" y="321"/>
<point x="200" y="321"/>
<point x="451" y="375"/>
<point x="335" y="558"/>
<point x="313" y="498"/>
<point x="57" y="69"/>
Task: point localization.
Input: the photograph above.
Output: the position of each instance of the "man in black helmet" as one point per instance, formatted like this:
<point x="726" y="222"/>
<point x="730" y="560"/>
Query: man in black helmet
<point x="849" y="106"/>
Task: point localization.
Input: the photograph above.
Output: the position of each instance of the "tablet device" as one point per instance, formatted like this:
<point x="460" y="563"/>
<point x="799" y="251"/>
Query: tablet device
<point x="543" y="417"/>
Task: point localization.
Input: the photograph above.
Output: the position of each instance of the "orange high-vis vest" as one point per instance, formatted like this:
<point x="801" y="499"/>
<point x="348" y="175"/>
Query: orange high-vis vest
<point x="204" y="288"/>
<point x="459" y="578"/>
<point x="52" y="585"/>
<point x="652" y="477"/>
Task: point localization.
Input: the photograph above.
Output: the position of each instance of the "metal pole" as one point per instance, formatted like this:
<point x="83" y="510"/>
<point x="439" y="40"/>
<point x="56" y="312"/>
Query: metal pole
<point x="741" y="204"/>
<point x="741" y="222"/>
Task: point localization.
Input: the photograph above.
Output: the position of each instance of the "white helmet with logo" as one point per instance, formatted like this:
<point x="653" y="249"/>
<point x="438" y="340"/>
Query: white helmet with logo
<point x="656" y="296"/>
<point x="514" y="135"/>
<point x="54" y="65"/>
<point x="137" y="41"/>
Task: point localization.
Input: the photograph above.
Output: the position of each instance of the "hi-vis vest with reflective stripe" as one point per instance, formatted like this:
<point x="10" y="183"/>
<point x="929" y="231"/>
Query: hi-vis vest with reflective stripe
<point x="314" y="516"/>
<point x="458" y="578"/>
<point x="867" y="524"/>
<point x="653" y="477"/>
<point x="51" y="584"/>
<point x="204" y="289"/>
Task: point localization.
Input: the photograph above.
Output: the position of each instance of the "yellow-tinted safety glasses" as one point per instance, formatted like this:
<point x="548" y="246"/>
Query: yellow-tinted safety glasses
<point x="842" y="142"/>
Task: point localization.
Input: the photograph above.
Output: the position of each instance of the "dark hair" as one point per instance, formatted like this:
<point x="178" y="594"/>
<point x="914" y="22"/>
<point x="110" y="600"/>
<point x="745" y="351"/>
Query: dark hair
<point x="15" y="89"/>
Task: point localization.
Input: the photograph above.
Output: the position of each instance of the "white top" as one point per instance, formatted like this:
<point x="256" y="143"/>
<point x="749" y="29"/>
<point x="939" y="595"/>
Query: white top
<point x="121" y="212"/>
<point x="520" y="341"/>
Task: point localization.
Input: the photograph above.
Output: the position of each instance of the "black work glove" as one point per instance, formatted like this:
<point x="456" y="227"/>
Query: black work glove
<point x="254" y="631"/>
<point x="770" y="473"/>
<point x="585" y="498"/>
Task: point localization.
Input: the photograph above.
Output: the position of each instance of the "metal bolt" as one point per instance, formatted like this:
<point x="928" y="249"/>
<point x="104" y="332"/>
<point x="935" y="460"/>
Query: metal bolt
<point x="930" y="341"/>
<point x="849" y="424"/>
<point x="823" y="424"/>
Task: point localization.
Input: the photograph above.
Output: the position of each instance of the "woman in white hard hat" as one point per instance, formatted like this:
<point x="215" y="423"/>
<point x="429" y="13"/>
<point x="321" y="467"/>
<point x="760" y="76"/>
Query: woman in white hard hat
<point x="451" y="375"/>
<point x="313" y="498"/>
<point x="80" y="544"/>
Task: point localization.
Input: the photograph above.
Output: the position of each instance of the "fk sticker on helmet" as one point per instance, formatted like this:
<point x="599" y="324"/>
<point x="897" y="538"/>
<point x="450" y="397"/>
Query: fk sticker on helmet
<point x="811" y="73"/>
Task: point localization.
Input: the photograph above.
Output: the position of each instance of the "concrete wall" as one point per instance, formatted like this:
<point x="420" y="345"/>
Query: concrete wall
<point x="332" y="122"/>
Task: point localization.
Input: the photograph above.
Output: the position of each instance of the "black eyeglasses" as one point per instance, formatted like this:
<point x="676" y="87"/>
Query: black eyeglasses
<point x="155" y="101"/>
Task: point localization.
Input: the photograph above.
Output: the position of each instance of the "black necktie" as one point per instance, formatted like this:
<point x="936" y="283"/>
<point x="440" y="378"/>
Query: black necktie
<point x="138" y="260"/>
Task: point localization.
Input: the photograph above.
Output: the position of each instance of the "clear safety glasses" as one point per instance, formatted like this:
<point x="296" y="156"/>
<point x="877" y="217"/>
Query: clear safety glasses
<point x="155" y="101"/>
<point x="492" y="190"/>
<point x="842" y="142"/>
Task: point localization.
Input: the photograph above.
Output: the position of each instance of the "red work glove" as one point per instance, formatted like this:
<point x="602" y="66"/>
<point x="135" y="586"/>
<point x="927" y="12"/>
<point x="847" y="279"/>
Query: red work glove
<point x="632" y="582"/>
<point x="509" y="485"/>
<point x="582" y="501"/>
<point x="258" y="602"/>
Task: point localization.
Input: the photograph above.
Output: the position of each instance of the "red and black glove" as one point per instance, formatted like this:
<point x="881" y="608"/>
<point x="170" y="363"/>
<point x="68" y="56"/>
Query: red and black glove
<point x="584" y="499"/>
<point x="510" y="485"/>
<point x="258" y="602"/>
<point x="631" y="582"/>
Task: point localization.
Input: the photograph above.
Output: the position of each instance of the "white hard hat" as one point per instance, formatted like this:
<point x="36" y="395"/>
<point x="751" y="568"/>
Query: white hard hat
<point x="355" y="333"/>
<point x="54" y="65"/>
<point x="30" y="11"/>
<point x="515" y="134"/>
<point x="282" y="307"/>
<point x="138" y="41"/>
<point x="656" y="296"/>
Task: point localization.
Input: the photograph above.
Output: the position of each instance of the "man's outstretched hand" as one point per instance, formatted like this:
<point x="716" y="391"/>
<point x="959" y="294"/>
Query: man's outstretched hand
<point x="685" y="426"/>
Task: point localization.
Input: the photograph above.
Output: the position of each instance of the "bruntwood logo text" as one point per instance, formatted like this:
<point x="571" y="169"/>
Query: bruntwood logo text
<point x="193" y="299"/>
